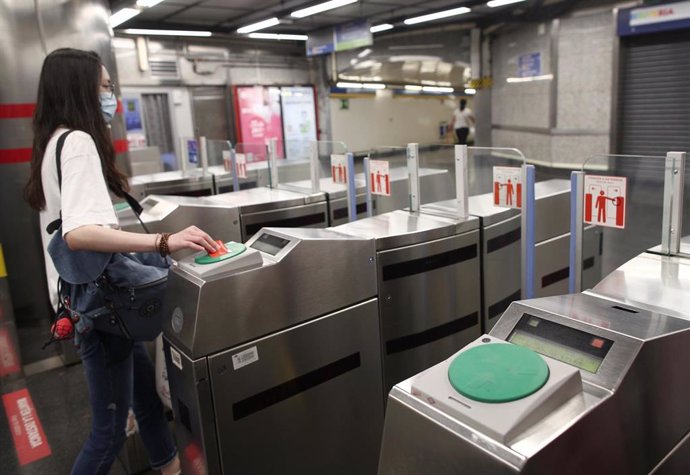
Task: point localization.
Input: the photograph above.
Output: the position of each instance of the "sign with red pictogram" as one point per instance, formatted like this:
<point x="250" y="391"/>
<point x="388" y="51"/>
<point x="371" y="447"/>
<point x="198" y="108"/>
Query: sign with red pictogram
<point x="507" y="187"/>
<point x="379" y="177"/>
<point x="605" y="200"/>
<point x="241" y="163"/>
<point x="27" y="432"/>
<point x="339" y="168"/>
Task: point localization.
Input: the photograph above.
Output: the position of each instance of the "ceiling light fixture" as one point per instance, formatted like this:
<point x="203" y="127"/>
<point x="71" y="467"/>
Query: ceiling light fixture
<point x="277" y="36"/>
<point x="500" y="3"/>
<point x="544" y="77"/>
<point x="437" y="15"/>
<point x="122" y="16"/>
<point x="470" y="91"/>
<point x="381" y="27"/>
<point x="349" y="85"/>
<point x="148" y="3"/>
<point x="138" y="31"/>
<point x="321" y="7"/>
<point x="373" y="86"/>
<point x="364" y="53"/>
<point x="437" y="89"/>
<point x="259" y="26"/>
<point x="412" y="87"/>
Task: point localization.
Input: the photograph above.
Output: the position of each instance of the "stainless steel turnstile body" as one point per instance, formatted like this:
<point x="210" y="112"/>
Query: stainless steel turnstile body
<point x="336" y="195"/>
<point x="275" y="368"/>
<point x="270" y="207"/>
<point x="435" y="184"/>
<point x="653" y="281"/>
<point x="428" y="287"/>
<point x="627" y="413"/>
<point x="179" y="182"/>
<point x="501" y="246"/>
<point x="234" y="216"/>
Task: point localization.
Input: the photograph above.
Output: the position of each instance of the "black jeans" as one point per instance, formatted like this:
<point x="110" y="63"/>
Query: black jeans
<point x="462" y="134"/>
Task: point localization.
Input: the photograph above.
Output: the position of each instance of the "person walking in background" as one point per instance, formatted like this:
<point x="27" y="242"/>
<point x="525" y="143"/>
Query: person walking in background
<point x="463" y="119"/>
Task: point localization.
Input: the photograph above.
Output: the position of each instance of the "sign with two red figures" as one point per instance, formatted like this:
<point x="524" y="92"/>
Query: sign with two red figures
<point x="240" y="162"/>
<point x="379" y="177"/>
<point x="339" y="168"/>
<point x="605" y="200"/>
<point x="507" y="187"/>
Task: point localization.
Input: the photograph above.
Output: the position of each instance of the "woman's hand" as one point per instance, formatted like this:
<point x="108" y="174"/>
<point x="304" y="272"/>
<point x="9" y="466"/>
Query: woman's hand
<point x="191" y="238"/>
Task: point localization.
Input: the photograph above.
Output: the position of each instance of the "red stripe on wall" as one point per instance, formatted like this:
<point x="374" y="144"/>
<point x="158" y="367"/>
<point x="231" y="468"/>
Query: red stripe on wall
<point x="121" y="145"/>
<point x="17" y="111"/>
<point x="15" y="155"/>
<point x="23" y="155"/>
<point x="119" y="107"/>
<point x="27" y="432"/>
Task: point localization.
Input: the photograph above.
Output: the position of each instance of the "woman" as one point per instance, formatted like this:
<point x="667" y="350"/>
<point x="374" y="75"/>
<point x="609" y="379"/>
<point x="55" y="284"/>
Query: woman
<point x="75" y="93"/>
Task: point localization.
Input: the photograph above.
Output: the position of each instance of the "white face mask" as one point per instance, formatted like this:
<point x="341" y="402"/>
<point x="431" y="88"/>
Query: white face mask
<point x="108" y="105"/>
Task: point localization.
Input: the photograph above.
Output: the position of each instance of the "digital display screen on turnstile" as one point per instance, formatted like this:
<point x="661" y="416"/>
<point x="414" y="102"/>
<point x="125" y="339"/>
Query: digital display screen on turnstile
<point x="574" y="347"/>
<point x="270" y="244"/>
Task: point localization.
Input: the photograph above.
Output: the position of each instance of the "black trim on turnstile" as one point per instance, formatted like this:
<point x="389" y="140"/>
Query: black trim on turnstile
<point x="408" y="342"/>
<point x="297" y="222"/>
<point x="494" y="244"/>
<point x="499" y="307"/>
<point x="562" y="274"/>
<point x="259" y="401"/>
<point x="428" y="263"/>
<point x="341" y="213"/>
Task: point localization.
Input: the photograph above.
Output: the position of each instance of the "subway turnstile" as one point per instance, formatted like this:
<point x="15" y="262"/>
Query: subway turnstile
<point x="273" y="357"/>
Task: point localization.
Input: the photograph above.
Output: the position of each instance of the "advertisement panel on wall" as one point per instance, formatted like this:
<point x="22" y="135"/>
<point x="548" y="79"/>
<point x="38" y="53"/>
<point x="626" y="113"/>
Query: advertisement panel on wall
<point x="259" y="115"/>
<point x="299" y="120"/>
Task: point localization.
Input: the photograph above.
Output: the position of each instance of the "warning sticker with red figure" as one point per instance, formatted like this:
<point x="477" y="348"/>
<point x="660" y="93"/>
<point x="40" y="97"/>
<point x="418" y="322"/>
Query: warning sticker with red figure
<point x="29" y="439"/>
<point x="379" y="177"/>
<point x="605" y="200"/>
<point x="507" y="187"/>
<point x="241" y="164"/>
<point x="339" y="168"/>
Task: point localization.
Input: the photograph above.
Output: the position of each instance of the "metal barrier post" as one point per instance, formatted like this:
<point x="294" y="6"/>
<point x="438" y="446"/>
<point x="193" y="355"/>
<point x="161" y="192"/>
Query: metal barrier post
<point x="203" y="152"/>
<point x="413" y="172"/>
<point x="577" y="189"/>
<point x="672" y="221"/>
<point x="314" y="165"/>
<point x="461" y="185"/>
<point x="233" y="168"/>
<point x="367" y="186"/>
<point x="351" y="188"/>
<point x="527" y="231"/>
<point x="273" y="162"/>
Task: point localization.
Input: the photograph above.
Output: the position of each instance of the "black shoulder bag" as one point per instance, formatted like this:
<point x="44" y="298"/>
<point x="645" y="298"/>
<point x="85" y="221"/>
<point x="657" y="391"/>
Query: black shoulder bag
<point x="117" y="293"/>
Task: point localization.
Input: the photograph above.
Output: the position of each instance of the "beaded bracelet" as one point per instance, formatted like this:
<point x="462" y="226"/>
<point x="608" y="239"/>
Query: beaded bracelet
<point x="163" y="245"/>
<point x="155" y="242"/>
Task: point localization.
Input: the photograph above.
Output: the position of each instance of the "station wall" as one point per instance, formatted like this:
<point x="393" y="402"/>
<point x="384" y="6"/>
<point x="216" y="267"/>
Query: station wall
<point x="565" y="116"/>
<point x="383" y="120"/>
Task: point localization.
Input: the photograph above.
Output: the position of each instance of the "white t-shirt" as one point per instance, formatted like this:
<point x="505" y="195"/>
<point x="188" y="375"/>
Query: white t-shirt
<point x="84" y="199"/>
<point x="463" y="118"/>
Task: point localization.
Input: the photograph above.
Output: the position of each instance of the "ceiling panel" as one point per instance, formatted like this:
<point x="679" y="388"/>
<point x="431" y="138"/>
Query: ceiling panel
<point x="210" y="15"/>
<point x="158" y="13"/>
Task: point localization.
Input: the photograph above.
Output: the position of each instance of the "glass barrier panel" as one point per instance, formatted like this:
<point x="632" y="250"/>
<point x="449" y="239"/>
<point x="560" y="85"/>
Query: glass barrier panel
<point x="481" y="162"/>
<point x="391" y="193"/>
<point x="437" y="181"/>
<point x="628" y="198"/>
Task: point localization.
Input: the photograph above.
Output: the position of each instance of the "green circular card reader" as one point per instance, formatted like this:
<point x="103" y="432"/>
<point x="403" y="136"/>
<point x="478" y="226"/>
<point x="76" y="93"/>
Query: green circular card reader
<point x="498" y="372"/>
<point x="233" y="249"/>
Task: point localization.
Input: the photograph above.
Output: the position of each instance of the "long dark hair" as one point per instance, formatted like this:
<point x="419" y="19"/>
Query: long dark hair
<point x="68" y="97"/>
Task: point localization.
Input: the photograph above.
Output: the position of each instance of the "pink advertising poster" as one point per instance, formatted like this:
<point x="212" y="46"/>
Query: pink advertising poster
<point x="259" y="115"/>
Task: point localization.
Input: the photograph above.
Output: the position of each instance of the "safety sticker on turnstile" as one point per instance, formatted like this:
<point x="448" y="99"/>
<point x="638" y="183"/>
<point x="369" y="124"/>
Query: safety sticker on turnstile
<point x="497" y="373"/>
<point x="507" y="187"/>
<point x="605" y="200"/>
<point x="225" y="251"/>
<point x="379" y="177"/>
<point x="339" y="168"/>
